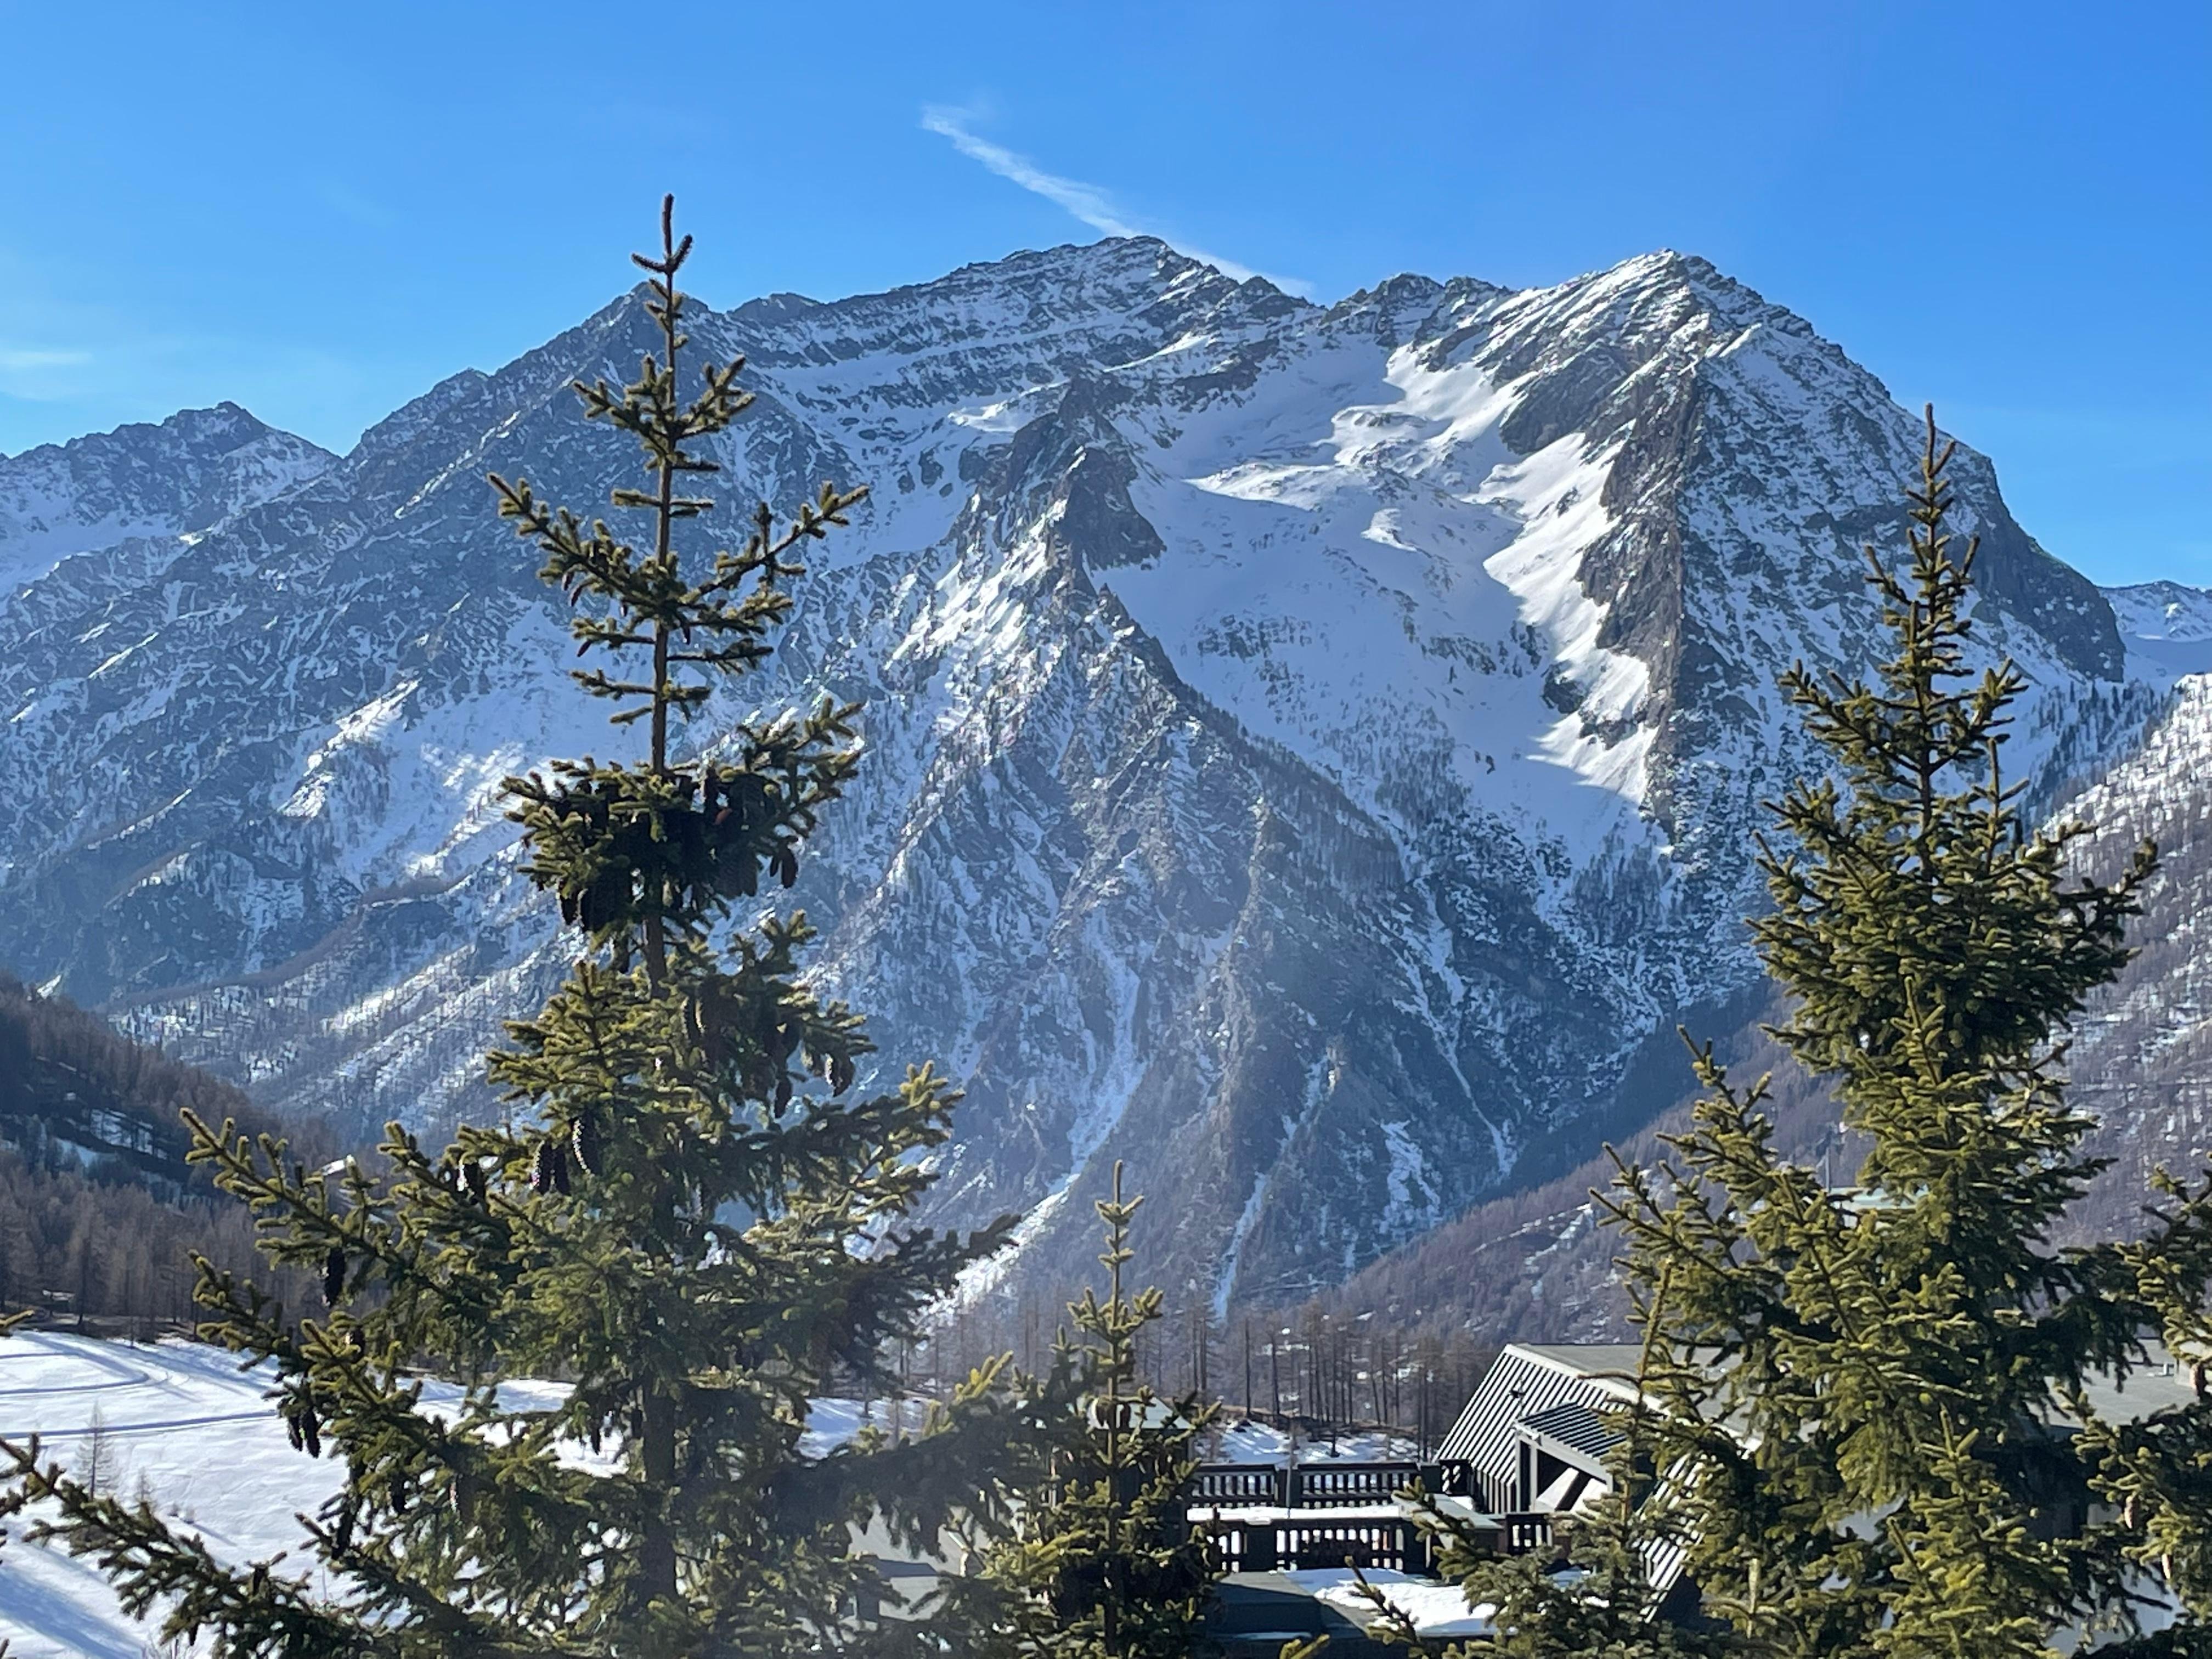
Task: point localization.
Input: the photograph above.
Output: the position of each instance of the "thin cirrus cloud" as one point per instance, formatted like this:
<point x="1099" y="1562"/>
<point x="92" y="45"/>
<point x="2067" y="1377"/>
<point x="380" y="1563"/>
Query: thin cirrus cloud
<point x="19" y="359"/>
<point x="40" y="374"/>
<point x="1086" y="203"/>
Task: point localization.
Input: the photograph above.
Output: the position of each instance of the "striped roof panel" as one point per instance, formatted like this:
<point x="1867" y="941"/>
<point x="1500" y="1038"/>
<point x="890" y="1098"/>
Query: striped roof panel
<point x="1528" y="1381"/>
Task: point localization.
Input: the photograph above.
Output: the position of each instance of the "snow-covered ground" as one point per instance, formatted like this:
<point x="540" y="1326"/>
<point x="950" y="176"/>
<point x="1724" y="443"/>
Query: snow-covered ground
<point x="1262" y="1443"/>
<point x="180" y="1427"/>
<point x="1437" y="1612"/>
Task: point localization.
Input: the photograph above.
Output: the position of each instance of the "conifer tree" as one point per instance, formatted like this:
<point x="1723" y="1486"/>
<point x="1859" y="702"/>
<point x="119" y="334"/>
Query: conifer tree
<point x="1865" y="1406"/>
<point x="696" y="1228"/>
<point x="1101" y="1562"/>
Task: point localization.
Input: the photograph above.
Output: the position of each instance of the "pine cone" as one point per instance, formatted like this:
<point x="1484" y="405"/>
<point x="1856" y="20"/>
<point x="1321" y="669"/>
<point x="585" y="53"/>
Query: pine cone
<point x="311" y="1430"/>
<point x="842" y="1071"/>
<point x="334" y="1275"/>
<point x="584" y="1142"/>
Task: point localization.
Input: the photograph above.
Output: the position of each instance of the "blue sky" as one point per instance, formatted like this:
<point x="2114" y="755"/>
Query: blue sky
<point x="318" y="210"/>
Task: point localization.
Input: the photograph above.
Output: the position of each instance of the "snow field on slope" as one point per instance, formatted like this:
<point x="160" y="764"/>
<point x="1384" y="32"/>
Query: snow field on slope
<point x="186" y="1430"/>
<point x="191" y="1432"/>
<point x="2168" y="629"/>
<point x="1367" y="591"/>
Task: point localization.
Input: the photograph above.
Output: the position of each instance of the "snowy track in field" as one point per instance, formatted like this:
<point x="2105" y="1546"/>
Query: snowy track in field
<point x="130" y="1397"/>
<point x="182" y="1426"/>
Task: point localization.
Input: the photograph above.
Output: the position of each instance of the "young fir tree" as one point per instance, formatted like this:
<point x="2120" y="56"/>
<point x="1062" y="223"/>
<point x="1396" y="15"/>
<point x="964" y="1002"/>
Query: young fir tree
<point x="1865" y="1406"/>
<point x="697" y="1229"/>
<point x="1101" y="1561"/>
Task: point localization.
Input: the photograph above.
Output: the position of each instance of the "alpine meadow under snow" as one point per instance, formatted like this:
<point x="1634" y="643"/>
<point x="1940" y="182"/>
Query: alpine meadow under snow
<point x="1311" y="748"/>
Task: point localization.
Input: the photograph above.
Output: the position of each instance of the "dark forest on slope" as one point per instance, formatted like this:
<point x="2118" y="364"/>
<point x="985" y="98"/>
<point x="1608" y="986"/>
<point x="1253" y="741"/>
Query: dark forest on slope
<point x="98" y="1213"/>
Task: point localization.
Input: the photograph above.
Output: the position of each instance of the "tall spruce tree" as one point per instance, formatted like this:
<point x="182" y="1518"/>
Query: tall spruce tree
<point x="1101" y="1561"/>
<point x="1867" y="1404"/>
<point x="697" y="1229"/>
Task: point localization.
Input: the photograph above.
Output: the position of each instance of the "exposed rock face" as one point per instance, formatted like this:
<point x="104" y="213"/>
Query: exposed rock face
<point x="158" y="482"/>
<point x="1311" y="748"/>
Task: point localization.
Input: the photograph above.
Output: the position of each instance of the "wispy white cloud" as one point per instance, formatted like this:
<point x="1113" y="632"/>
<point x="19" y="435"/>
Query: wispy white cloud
<point x="40" y="374"/>
<point x="16" y="360"/>
<point x="1087" y="203"/>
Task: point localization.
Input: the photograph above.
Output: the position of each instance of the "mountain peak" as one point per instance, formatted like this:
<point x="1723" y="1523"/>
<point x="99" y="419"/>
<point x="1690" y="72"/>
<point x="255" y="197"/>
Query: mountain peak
<point x="215" y="427"/>
<point x="145" y="479"/>
<point x="1304" y="747"/>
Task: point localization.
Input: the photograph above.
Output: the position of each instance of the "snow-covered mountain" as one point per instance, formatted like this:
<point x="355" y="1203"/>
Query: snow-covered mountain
<point x="1311" y="748"/>
<point x="140" y="482"/>
<point x="2167" y="628"/>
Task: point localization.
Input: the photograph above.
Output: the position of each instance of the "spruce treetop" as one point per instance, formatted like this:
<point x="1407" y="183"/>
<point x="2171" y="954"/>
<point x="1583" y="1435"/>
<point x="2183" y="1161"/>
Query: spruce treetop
<point x="696" y="1227"/>
<point x="1863" y="1411"/>
<point x="1101" y="1561"/>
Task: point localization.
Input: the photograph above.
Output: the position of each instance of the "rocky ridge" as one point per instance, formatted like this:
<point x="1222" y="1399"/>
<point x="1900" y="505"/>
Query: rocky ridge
<point x="1310" y="747"/>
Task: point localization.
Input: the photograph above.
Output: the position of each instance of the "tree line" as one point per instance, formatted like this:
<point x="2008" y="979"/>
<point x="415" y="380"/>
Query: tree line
<point x="99" y="1211"/>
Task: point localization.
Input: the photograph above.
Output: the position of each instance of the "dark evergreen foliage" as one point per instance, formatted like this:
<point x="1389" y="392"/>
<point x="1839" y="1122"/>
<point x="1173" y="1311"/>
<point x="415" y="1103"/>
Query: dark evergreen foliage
<point x="697" y="1227"/>
<point x="1101" y="1562"/>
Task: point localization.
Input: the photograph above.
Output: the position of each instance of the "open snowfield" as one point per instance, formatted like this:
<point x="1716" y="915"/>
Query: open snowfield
<point x="182" y="1425"/>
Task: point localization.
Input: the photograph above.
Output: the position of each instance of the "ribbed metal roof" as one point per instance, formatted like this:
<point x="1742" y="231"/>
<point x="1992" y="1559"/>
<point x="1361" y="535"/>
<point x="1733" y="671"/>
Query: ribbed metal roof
<point x="1526" y="1381"/>
<point x="1560" y="1390"/>
<point x="1574" y="1426"/>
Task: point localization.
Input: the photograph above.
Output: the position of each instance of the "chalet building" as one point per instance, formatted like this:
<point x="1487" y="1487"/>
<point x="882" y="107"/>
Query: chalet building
<point x="1534" y="1435"/>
